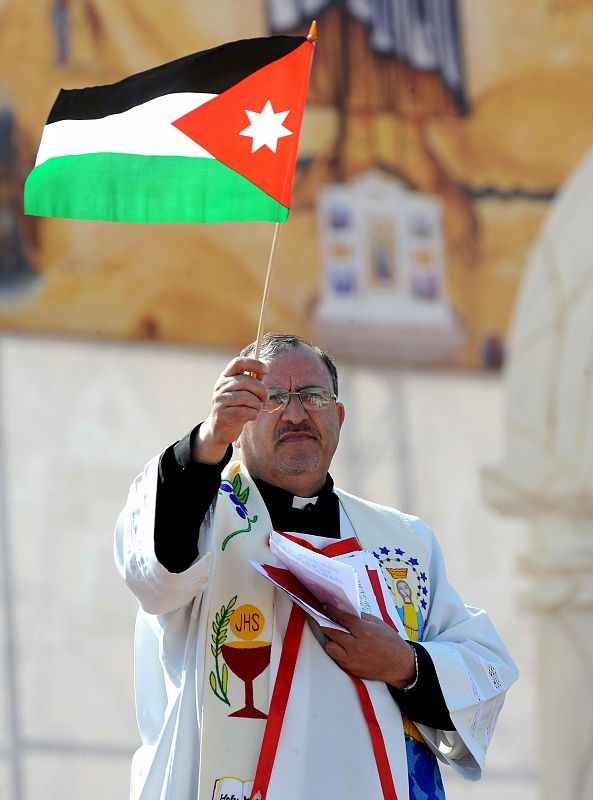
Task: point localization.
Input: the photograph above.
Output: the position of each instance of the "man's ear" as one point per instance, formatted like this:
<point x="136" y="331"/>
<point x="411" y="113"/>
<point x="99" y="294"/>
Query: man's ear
<point x="341" y="413"/>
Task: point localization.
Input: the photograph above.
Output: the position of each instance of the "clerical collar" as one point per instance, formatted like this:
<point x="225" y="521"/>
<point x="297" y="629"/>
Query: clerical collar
<point x="280" y="498"/>
<point x="303" y="502"/>
<point x="320" y="518"/>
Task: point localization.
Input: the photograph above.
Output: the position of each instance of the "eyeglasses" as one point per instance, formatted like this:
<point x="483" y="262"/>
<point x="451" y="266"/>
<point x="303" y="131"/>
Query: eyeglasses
<point x="312" y="398"/>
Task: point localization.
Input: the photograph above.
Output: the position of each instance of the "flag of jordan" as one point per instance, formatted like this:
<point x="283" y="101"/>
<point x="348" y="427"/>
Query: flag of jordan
<point x="207" y="138"/>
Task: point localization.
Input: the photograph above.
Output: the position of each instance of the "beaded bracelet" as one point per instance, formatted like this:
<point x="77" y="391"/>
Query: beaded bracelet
<point x="415" y="681"/>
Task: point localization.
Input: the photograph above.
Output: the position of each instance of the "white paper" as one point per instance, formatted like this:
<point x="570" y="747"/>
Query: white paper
<point x="315" y="613"/>
<point x="330" y="580"/>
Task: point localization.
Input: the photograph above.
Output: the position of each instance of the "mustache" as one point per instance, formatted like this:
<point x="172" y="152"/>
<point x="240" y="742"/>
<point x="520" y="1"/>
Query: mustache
<point x="288" y="427"/>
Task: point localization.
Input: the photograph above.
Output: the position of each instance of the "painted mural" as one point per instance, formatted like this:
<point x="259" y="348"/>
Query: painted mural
<point x="435" y="137"/>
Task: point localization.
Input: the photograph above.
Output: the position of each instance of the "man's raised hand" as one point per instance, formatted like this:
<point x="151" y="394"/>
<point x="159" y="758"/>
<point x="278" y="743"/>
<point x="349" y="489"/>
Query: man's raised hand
<point x="236" y="399"/>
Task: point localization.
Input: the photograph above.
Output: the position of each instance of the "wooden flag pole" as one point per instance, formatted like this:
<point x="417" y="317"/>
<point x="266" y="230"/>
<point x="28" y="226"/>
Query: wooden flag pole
<point x="312" y="37"/>
<point x="264" y="301"/>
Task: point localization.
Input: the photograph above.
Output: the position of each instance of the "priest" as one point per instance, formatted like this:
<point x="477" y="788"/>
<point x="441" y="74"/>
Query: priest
<point x="237" y="695"/>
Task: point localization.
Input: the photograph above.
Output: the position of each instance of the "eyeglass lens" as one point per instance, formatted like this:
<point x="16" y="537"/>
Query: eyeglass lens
<point x="312" y="399"/>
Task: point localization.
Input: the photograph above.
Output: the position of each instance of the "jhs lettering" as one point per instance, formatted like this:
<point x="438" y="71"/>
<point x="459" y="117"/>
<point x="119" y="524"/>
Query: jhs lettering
<point x="248" y="622"/>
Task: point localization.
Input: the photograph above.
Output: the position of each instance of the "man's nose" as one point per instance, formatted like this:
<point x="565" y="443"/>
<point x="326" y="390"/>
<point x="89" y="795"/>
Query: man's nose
<point x="294" y="411"/>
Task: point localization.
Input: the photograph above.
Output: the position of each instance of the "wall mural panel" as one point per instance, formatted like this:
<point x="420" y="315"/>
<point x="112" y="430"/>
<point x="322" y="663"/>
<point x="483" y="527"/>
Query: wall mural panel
<point x="436" y="135"/>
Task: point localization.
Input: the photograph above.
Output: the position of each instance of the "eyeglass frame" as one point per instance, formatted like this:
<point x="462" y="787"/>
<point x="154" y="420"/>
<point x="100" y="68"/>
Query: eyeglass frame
<point x="286" y="394"/>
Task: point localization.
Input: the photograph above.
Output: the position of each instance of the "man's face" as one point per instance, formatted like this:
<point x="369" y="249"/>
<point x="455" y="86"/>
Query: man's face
<point x="293" y="448"/>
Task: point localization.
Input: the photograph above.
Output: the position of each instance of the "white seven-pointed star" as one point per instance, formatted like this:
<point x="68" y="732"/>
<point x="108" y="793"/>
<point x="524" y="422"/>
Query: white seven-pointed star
<point x="266" y="128"/>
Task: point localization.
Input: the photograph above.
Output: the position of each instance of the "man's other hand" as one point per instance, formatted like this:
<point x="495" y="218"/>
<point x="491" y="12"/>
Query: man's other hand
<point x="236" y="399"/>
<point x="371" y="650"/>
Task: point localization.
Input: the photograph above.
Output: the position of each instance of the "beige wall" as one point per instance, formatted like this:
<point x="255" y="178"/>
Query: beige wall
<point x="78" y="421"/>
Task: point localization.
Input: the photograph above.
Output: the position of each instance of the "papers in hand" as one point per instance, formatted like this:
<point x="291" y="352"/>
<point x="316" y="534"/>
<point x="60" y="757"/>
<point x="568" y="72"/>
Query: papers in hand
<point x="284" y="580"/>
<point x="312" y="579"/>
<point x="331" y="581"/>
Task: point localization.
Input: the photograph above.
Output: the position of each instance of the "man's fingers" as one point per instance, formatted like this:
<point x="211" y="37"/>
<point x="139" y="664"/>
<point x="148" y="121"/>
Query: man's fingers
<point x="340" y="637"/>
<point x="241" y="382"/>
<point x="335" y="651"/>
<point x="370" y="617"/>
<point x="343" y="618"/>
<point x="252" y="366"/>
<point x="232" y="418"/>
<point x="241" y="398"/>
<point x="236" y="400"/>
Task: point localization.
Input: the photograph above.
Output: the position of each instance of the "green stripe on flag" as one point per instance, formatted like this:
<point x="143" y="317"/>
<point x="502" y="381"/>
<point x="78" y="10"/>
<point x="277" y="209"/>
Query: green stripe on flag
<point x="120" y="187"/>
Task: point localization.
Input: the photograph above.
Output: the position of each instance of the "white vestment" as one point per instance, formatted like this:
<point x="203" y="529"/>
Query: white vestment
<point x="325" y="749"/>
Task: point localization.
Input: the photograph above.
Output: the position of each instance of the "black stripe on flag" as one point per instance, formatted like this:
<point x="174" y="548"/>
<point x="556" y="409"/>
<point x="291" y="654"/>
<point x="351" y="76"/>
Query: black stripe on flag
<point x="211" y="71"/>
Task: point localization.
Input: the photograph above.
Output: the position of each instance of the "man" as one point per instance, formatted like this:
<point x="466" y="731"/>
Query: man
<point x="232" y="686"/>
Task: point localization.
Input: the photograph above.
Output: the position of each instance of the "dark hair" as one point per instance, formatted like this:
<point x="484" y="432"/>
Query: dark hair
<point x="274" y="343"/>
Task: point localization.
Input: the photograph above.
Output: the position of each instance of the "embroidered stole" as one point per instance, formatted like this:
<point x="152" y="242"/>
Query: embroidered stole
<point x="240" y="626"/>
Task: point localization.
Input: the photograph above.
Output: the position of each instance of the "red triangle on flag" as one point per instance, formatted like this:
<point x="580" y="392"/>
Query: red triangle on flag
<point x="223" y="128"/>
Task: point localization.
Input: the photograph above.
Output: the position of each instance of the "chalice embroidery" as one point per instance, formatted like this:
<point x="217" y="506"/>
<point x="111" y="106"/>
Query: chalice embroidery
<point x="247" y="657"/>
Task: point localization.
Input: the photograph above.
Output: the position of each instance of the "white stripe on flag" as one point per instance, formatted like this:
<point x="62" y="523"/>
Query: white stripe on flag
<point x="143" y="130"/>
